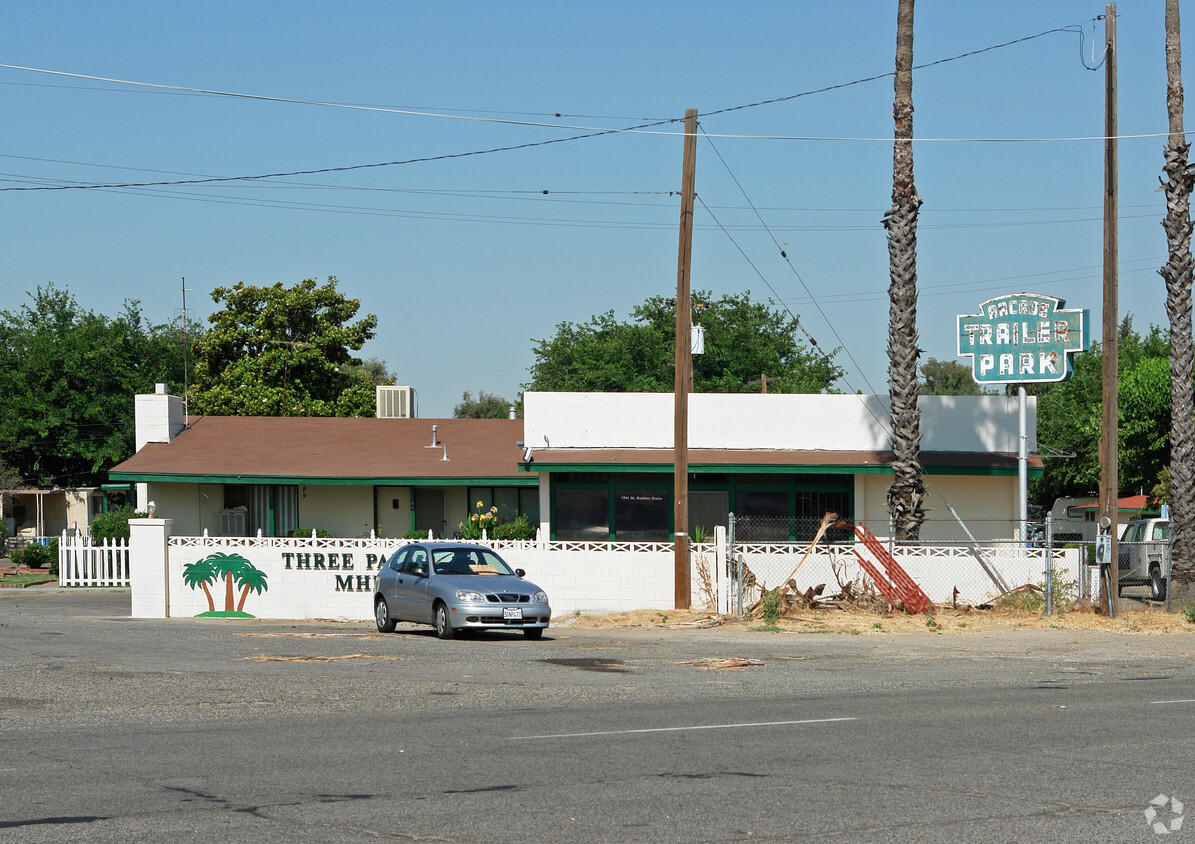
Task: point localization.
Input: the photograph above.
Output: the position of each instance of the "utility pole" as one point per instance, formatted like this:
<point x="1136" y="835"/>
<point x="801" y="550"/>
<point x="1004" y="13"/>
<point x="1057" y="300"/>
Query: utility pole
<point x="1109" y="441"/>
<point x="683" y="373"/>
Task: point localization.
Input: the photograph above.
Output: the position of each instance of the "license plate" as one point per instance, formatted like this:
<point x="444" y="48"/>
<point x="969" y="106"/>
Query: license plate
<point x="509" y="613"/>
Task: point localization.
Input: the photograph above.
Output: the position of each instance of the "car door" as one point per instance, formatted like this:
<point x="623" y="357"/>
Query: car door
<point x="388" y="581"/>
<point x="411" y="586"/>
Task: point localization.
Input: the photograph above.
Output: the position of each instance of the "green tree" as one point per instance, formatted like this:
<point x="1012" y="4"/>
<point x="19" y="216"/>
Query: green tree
<point x="949" y="378"/>
<point x="485" y="406"/>
<point x="743" y="340"/>
<point x="374" y="371"/>
<point x="9" y="477"/>
<point x="1069" y="415"/>
<point x="284" y="351"/>
<point x="67" y="380"/>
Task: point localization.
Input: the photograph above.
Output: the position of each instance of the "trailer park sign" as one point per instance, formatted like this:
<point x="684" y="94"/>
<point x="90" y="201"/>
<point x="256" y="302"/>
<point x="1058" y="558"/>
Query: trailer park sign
<point x="1022" y="338"/>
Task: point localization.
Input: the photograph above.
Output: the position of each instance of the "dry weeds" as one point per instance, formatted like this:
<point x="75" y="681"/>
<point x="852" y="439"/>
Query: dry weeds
<point x="962" y="621"/>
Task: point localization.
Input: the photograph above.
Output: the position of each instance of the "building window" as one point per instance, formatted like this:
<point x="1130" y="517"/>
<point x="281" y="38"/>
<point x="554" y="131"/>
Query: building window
<point x="582" y="514"/>
<point x="511" y="501"/>
<point x="641" y="514"/>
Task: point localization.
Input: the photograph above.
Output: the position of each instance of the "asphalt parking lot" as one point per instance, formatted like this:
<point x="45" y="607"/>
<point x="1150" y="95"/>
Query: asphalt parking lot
<point x="117" y="729"/>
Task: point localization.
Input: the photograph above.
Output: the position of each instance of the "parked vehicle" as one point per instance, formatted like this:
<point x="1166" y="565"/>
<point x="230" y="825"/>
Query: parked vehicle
<point x="455" y="587"/>
<point x="1144" y="555"/>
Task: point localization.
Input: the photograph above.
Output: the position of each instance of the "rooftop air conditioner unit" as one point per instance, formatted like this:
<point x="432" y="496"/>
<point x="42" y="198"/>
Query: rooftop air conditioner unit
<point x="395" y="402"/>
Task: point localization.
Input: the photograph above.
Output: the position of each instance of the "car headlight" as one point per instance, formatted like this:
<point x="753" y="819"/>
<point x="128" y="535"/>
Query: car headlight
<point x="539" y="598"/>
<point x="467" y="597"/>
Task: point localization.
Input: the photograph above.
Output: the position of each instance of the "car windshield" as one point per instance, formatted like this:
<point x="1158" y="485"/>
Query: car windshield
<point x="479" y="561"/>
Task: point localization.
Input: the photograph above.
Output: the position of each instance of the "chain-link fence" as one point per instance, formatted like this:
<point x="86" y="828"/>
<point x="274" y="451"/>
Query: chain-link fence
<point x="953" y="563"/>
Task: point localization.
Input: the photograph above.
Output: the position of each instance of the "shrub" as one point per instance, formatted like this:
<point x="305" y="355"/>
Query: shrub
<point x="771" y="603"/>
<point x="320" y="533"/>
<point x="415" y="534"/>
<point x="482" y="520"/>
<point x="519" y="528"/>
<point x="36" y="556"/>
<point x="114" y="524"/>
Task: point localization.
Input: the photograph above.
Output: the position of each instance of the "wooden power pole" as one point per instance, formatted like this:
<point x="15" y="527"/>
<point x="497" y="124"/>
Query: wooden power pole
<point x="684" y="368"/>
<point x="1110" y="441"/>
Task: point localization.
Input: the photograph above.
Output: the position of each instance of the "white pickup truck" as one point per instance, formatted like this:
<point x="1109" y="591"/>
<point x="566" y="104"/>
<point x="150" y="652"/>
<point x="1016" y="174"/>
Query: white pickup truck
<point x="1144" y="555"/>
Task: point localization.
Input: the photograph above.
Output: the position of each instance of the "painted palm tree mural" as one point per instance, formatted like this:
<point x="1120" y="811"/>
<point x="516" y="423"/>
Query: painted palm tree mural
<point x="236" y="572"/>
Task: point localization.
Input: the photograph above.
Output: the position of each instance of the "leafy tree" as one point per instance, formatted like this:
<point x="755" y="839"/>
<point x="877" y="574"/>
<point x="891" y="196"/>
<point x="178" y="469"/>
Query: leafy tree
<point x="949" y="378"/>
<point x="67" y="381"/>
<point x="1160" y="494"/>
<point x="284" y="351"/>
<point x="374" y="371"/>
<point x="1069" y="417"/>
<point x="114" y="524"/>
<point x="10" y="478"/>
<point x="485" y="406"/>
<point x="743" y="340"/>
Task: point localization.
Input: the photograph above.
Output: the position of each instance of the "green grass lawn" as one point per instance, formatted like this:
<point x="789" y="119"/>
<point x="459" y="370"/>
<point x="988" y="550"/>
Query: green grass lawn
<point x="29" y="579"/>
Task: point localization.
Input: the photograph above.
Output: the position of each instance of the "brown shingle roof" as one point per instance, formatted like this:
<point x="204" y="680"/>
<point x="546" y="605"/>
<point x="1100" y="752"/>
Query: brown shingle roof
<point x="314" y="448"/>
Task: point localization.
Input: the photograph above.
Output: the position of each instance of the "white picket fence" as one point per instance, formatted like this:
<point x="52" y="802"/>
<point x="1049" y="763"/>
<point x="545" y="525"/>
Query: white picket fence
<point x="83" y="563"/>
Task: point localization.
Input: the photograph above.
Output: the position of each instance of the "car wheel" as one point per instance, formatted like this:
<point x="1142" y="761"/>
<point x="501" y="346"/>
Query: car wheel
<point x="533" y="632"/>
<point x="1157" y="584"/>
<point x="381" y="614"/>
<point x="444" y="628"/>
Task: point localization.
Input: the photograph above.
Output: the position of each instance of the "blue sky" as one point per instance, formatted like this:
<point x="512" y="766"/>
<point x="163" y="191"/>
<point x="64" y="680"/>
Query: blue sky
<point x="466" y="261"/>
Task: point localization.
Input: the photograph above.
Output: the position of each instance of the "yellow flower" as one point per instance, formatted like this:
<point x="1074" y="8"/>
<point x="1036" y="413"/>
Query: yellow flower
<point x="479" y="505"/>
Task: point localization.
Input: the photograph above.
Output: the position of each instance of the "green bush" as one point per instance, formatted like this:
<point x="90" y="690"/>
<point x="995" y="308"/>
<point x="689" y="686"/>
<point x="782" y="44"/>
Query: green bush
<point x="3" y="533"/>
<point x="415" y="534"/>
<point x="320" y="533"/>
<point x="519" y="528"/>
<point x="114" y="524"/>
<point x="771" y="603"/>
<point x="36" y="556"/>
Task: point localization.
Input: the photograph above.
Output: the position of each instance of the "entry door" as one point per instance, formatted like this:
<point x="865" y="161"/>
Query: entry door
<point x="429" y="511"/>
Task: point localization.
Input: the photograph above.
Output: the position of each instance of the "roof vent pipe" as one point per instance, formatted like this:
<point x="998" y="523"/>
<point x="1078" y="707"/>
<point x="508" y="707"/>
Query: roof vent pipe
<point x="510" y="414"/>
<point x="434" y="443"/>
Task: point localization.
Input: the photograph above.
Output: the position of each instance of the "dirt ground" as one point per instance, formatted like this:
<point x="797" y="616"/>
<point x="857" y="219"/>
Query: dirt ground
<point x="1133" y="619"/>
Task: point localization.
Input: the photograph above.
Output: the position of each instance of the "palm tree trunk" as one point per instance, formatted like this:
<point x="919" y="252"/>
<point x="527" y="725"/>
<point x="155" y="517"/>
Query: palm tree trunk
<point x="244" y="595"/>
<point x="1177" y="274"/>
<point x="228" y="593"/>
<point x="211" y="605"/>
<point x="907" y="490"/>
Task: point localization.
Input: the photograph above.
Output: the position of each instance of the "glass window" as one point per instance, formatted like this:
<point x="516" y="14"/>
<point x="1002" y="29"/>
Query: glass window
<point x="416" y="562"/>
<point x="1161" y="530"/>
<point x="583" y="514"/>
<point x="763" y="516"/>
<point x="641" y="515"/>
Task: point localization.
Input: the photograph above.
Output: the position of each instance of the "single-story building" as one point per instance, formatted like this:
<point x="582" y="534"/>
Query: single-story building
<point x="584" y="466"/>
<point x="32" y="513"/>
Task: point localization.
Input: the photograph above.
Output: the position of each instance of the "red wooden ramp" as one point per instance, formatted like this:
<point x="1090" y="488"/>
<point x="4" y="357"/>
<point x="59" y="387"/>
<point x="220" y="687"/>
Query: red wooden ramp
<point x="894" y="582"/>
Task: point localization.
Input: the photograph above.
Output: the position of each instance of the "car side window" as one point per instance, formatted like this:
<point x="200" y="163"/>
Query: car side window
<point x="1162" y="530"/>
<point x="416" y="562"/>
<point x="1134" y="534"/>
<point x="396" y="559"/>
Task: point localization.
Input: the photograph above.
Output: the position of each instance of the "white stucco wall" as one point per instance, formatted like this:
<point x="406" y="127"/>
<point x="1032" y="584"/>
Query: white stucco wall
<point x="987" y="504"/>
<point x="343" y="510"/>
<point x="394" y="521"/>
<point x="183" y="505"/>
<point x="809" y="422"/>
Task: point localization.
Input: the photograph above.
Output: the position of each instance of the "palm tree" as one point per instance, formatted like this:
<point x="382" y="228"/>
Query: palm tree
<point x="907" y="490"/>
<point x="229" y="567"/>
<point x="250" y="577"/>
<point x="1177" y="274"/>
<point x="201" y="573"/>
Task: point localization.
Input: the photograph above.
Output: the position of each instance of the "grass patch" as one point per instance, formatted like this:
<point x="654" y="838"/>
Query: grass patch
<point x="28" y="579"/>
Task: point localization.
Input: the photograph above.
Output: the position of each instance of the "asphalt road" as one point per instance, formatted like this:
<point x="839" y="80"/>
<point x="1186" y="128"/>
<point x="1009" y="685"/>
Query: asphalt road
<point x="113" y="729"/>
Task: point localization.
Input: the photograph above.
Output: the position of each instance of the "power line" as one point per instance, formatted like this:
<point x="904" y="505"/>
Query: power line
<point x="792" y="267"/>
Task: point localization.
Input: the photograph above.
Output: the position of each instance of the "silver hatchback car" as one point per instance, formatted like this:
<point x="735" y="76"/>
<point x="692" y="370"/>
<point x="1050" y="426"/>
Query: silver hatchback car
<point x="454" y="586"/>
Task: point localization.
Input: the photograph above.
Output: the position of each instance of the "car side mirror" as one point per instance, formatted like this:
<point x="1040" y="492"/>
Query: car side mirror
<point x="520" y="573"/>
